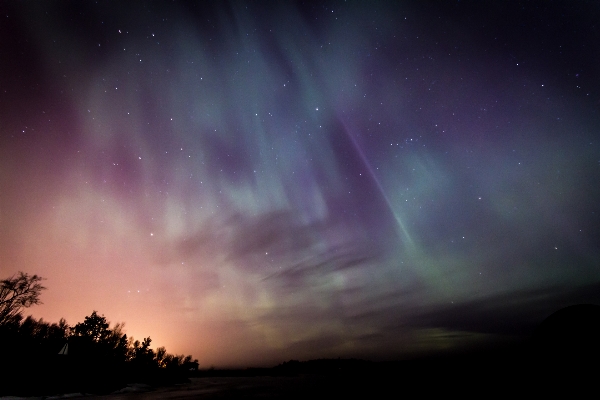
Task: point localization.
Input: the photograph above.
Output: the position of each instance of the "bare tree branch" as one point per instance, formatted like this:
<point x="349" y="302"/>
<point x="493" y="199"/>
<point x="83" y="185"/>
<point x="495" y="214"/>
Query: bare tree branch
<point x="18" y="292"/>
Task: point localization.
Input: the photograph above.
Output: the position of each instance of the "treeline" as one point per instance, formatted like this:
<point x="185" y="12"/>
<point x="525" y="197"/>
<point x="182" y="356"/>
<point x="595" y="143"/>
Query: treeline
<point x="41" y="358"/>
<point x="48" y="358"/>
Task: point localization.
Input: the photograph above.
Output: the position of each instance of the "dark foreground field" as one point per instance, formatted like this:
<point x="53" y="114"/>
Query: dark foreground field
<point x="232" y="387"/>
<point x="468" y="378"/>
<point x="561" y="358"/>
<point x="474" y="376"/>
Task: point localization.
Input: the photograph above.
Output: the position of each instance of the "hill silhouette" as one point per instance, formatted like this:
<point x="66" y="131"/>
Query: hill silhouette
<point x="567" y="342"/>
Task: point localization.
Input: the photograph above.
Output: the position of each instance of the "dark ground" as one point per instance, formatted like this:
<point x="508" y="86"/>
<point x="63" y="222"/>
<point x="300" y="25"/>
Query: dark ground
<point x="560" y="359"/>
<point x="476" y="375"/>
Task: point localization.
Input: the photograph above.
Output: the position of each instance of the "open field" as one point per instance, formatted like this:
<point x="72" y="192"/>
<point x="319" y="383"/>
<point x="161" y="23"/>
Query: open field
<point x="266" y="387"/>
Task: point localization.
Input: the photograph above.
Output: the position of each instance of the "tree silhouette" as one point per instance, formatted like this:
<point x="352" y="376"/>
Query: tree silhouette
<point x="160" y="357"/>
<point x="143" y="355"/>
<point x="118" y="343"/>
<point x="18" y="292"/>
<point x="94" y="327"/>
<point x="93" y="340"/>
<point x="100" y="358"/>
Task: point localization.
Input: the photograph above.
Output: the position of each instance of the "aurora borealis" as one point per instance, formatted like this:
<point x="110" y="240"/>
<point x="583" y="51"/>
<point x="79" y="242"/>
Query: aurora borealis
<point x="255" y="182"/>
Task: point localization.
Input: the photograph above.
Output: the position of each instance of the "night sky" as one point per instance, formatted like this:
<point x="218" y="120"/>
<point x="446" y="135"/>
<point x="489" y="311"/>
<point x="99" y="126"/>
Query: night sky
<point x="256" y="182"/>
